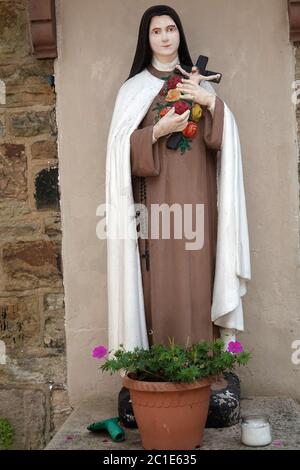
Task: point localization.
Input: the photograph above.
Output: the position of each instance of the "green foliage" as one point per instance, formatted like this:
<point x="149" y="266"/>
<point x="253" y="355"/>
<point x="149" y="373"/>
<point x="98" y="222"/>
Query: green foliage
<point x="184" y="144"/>
<point x="6" y="434"/>
<point x="175" y="363"/>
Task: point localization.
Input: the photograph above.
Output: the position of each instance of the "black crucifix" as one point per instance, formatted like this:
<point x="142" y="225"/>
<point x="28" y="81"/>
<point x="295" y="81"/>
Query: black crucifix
<point x="174" y="139"/>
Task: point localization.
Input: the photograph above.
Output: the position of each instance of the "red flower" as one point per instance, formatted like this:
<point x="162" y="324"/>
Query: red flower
<point x="190" y="130"/>
<point x="172" y="82"/>
<point x="164" y="111"/>
<point x="181" y="107"/>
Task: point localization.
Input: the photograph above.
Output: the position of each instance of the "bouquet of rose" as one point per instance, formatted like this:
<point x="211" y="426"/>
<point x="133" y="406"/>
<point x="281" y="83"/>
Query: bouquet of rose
<point x="173" y="99"/>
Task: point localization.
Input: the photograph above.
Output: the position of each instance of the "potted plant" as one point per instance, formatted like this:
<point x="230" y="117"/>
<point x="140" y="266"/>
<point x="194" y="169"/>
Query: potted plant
<point x="170" y="387"/>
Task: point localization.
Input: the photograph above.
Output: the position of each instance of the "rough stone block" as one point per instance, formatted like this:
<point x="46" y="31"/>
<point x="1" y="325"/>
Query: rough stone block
<point x="28" y="84"/>
<point x="27" y="410"/>
<point x="54" y="301"/>
<point x="32" y="264"/>
<point x="34" y="368"/>
<point x="54" y="331"/>
<point x="13" y="171"/>
<point x="60" y="407"/>
<point x="13" y="209"/>
<point x="13" y="29"/>
<point x="44" y="149"/>
<point x="31" y="123"/>
<point x="53" y="226"/>
<point x="19" y="322"/>
<point x="35" y="90"/>
<point x="17" y="230"/>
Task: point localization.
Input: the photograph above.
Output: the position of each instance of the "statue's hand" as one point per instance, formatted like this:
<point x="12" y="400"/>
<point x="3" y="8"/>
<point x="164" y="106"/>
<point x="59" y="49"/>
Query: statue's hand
<point x="191" y="90"/>
<point x="171" y="122"/>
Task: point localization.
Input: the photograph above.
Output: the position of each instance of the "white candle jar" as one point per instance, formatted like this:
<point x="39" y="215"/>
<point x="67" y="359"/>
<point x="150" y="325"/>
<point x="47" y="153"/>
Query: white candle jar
<point x="256" y="430"/>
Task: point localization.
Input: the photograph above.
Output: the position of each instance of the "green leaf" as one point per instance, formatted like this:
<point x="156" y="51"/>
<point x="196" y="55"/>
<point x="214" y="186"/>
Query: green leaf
<point x="175" y="363"/>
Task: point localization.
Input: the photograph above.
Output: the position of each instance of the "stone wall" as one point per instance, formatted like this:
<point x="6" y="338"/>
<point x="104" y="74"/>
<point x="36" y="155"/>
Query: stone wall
<point x="33" y="393"/>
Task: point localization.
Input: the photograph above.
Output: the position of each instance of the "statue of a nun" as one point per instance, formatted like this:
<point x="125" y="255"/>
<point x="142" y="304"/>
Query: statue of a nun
<point x="183" y="277"/>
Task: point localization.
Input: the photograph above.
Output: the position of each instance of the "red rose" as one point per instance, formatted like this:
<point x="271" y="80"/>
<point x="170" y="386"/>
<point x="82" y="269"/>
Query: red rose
<point x="181" y="107"/>
<point x="164" y="111"/>
<point x="172" y="82"/>
<point x="190" y="130"/>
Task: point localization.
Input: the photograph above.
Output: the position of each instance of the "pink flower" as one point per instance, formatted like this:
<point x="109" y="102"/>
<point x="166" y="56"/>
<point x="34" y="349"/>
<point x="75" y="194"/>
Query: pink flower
<point x="99" y="352"/>
<point x="278" y="442"/>
<point x="235" y="347"/>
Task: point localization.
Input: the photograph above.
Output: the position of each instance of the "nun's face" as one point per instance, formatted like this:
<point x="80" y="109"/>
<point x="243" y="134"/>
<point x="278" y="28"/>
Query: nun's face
<point x="164" y="38"/>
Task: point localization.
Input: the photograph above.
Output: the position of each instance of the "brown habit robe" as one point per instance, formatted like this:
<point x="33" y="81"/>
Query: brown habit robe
<point x="178" y="283"/>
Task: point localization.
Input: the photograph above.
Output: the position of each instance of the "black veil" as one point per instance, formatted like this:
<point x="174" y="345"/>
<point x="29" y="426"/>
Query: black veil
<point x="143" y="53"/>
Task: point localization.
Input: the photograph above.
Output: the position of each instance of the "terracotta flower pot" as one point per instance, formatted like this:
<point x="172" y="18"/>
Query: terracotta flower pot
<point x="170" y="415"/>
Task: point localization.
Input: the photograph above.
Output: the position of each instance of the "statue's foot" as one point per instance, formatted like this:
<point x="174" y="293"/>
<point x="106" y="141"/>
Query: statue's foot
<point x="224" y="406"/>
<point x="125" y="409"/>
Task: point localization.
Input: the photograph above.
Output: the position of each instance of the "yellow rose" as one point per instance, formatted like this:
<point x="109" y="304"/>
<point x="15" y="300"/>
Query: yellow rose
<point x="196" y="112"/>
<point x="173" y="95"/>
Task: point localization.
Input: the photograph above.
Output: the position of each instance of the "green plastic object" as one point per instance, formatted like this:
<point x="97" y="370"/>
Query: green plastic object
<point x="110" y="425"/>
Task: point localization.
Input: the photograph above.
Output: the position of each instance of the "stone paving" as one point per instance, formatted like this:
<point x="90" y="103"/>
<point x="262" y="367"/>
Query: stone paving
<point x="284" y="416"/>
